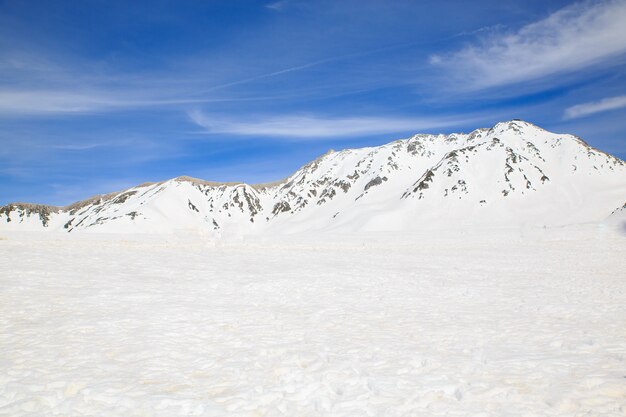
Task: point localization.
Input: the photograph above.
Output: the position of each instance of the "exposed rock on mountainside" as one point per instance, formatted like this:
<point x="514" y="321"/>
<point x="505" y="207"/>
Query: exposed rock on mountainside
<point x="26" y="210"/>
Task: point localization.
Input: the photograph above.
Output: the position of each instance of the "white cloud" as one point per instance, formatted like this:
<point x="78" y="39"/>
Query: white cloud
<point x="585" y="109"/>
<point x="41" y="102"/>
<point x="277" y="5"/>
<point x="314" y="127"/>
<point x="572" y="38"/>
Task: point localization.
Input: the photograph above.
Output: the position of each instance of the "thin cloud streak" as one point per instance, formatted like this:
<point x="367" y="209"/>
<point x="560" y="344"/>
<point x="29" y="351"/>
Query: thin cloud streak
<point x="309" y="65"/>
<point x="37" y="102"/>
<point x="277" y="5"/>
<point x="314" y="127"/>
<point x="41" y="102"/>
<point x="573" y="38"/>
<point x="586" y="109"/>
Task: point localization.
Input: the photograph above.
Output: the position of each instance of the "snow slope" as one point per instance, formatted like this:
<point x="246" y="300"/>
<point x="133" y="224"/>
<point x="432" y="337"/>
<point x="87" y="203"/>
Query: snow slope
<point x="514" y="174"/>
<point x="388" y="325"/>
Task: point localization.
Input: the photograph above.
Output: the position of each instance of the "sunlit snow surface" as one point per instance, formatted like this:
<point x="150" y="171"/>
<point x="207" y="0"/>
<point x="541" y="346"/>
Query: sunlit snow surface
<point x="527" y="323"/>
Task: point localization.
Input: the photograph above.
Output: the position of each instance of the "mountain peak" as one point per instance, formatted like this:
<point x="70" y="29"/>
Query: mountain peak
<point x="516" y="125"/>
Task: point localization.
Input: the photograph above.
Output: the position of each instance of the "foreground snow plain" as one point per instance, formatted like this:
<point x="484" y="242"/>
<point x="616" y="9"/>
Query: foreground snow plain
<point x="523" y="323"/>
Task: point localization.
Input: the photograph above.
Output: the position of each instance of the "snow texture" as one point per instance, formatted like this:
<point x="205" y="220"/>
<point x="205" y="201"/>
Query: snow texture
<point x="526" y="323"/>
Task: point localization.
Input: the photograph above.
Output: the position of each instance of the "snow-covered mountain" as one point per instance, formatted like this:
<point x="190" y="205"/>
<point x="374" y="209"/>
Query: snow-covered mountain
<point x="510" y="175"/>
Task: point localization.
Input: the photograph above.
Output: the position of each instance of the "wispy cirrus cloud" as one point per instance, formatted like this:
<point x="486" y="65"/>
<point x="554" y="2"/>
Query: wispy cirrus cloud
<point x="277" y="5"/>
<point x="45" y="101"/>
<point x="586" y="109"/>
<point x="67" y="101"/>
<point x="575" y="37"/>
<point x="317" y="127"/>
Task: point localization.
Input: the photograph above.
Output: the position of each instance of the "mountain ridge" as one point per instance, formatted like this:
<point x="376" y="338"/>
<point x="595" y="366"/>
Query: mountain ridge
<point x="512" y="167"/>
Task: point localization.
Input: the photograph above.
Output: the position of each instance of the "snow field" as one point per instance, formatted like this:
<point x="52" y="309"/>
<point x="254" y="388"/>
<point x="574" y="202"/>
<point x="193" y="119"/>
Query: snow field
<point x="373" y="325"/>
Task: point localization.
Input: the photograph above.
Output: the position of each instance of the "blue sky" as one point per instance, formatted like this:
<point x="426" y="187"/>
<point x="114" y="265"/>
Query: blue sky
<point x="98" y="96"/>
